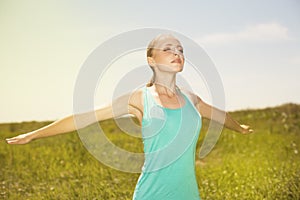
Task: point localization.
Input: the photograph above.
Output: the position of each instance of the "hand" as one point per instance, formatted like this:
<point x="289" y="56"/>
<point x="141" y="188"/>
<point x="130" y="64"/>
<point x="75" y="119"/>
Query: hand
<point x="246" y="129"/>
<point x="20" y="139"/>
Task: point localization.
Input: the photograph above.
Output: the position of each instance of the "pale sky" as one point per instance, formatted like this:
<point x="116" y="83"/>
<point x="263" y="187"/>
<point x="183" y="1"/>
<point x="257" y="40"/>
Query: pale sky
<point x="254" y="44"/>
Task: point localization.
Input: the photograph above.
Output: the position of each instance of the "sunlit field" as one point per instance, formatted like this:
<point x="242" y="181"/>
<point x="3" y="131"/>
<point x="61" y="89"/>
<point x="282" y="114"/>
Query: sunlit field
<point x="263" y="165"/>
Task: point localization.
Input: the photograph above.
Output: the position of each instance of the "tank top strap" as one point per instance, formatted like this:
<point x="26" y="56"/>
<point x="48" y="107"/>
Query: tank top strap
<point x="145" y="99"/>
<point x="189" y="101"/>
<point x="185" y="96"/>
<point x="150" y="107"/>
<point x="147" y="104"/>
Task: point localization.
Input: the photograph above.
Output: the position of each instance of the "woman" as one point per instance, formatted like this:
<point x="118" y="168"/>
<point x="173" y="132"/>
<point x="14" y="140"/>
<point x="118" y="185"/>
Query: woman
<point x="170" y="119"/>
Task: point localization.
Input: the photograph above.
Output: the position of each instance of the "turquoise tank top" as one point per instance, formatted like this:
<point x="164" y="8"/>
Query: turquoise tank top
<point x="169" y="137"/>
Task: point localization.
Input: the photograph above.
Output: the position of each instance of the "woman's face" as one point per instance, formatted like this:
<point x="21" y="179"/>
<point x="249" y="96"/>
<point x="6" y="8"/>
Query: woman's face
<point x="167" y="55"/>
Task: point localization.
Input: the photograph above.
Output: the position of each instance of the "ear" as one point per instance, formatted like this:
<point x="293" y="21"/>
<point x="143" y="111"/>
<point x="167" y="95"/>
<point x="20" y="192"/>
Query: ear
<point x="151" y="61"/>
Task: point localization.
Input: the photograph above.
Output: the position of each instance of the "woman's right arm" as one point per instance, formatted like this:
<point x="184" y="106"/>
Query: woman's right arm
<point x="126" y="104"/>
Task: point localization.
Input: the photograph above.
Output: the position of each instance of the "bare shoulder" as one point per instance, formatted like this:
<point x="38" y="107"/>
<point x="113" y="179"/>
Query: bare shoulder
<point x="203" y="108"/>
<point x="135" y="104"/>
<point x="191" y="95"/>
<point x="136" y="99"/>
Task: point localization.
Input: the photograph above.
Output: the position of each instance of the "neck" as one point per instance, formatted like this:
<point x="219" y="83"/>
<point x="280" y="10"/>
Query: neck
<point x="165" y="83"/>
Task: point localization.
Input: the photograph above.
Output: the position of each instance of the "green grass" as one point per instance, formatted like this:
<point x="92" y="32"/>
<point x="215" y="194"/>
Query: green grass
<point x="264" y="165"/>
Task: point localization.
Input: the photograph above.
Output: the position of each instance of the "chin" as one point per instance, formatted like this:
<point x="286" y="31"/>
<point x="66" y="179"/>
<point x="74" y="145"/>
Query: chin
<point x="179" y="68"/>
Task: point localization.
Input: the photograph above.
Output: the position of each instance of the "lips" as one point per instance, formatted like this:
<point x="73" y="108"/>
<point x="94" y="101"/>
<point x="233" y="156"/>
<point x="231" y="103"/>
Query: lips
<point x="176" y="61"/>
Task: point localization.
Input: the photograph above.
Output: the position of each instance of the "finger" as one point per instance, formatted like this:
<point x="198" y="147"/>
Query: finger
<point x="12" y="141"/>
<point x="245" y="126"/>
<point x="9" y="141"/>
<point x="13" y="138"/>
<point x="249" y="131"/>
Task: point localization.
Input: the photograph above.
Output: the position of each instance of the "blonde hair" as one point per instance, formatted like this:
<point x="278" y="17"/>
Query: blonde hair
<point x="150" y="48"/>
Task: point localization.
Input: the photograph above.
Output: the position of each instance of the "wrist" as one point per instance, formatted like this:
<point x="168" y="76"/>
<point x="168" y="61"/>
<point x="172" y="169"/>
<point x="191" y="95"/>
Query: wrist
<point x="30" y="136"/>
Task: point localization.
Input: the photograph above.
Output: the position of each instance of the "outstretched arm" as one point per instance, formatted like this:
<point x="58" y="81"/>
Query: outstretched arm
<point x="121" y="106"/>
<point x="218" y="115"/>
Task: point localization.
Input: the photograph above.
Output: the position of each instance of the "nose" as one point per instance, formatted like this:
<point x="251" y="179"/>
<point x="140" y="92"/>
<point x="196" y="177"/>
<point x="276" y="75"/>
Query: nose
<point x="176" y="52"/>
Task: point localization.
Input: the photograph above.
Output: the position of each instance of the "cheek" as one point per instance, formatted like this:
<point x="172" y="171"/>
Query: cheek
<point x="157" y="59"/>
<point x="163" y="58"/>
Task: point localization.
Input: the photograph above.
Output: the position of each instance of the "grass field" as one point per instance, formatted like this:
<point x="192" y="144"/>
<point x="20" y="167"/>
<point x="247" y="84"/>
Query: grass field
<point x="263" y="165"/>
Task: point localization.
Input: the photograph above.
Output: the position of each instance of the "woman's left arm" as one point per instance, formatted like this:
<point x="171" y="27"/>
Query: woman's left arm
<point x="210" y="112"/>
